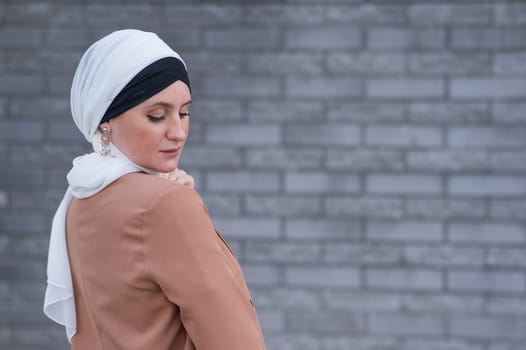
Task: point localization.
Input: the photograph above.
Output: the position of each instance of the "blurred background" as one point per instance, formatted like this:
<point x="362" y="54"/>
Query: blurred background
<point x="366" y="160"/>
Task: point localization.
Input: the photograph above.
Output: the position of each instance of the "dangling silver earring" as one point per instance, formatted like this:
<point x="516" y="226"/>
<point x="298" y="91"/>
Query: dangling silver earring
<point x="104" y="143"/>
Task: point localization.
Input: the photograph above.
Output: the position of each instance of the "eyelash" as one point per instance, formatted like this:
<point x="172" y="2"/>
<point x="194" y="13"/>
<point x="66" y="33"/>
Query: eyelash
<point x="158" y="119"/>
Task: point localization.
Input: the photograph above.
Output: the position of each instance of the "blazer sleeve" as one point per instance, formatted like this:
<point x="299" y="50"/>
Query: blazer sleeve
<point x="183" y="256"/>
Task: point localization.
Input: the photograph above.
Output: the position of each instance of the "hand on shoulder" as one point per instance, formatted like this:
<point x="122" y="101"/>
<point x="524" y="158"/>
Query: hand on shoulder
<point x="180" y="177"/>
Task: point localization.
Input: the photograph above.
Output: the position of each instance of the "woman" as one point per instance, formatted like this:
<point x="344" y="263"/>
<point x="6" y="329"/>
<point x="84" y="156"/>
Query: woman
<point x="134" y="260"/>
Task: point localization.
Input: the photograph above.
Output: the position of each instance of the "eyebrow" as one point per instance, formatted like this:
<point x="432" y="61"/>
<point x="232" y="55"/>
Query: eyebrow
<point x="167" y="105"/>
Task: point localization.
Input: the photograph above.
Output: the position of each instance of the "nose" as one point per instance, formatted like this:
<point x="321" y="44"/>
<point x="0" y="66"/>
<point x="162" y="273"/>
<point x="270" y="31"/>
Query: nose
<point x="176" y="130"/>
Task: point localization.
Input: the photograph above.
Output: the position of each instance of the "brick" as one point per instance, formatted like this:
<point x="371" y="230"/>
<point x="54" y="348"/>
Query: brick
<point x="487" y="136"/>
<point x="356" y="342"/>
<point x="403" y="136"/>
<point x="363" y="301"/>
<point x="292" y="341"/>
<point x="42" y="334"/>
<point x="363" y="159"/>
<point x="510" y="14"/>
<point x="426" y="208"/>
<point x="405" y="325"/>
<point x="20" y="38"/>
<point x="47" y="107"/>
<point x="4" y="199"/>
<point x="367" y="207"/>
<point x="22" y="131"/>
<point x="405" y="88"/>
<point x="366" y="254"/>
<point x="25" y="246"/>
<point x="260" y="275"/>
<point x="39" y="13"/>
<point x="21" y="271"/>
<point x="243" y="134"/>
<point x="509" y="113"/>
<point x="286" y="298"/>
<point x="323" y="88"/>
<point x="204" y="15"/>
<point x="477" y="88"/>
<point x="447" y="160"/>
<point x="507" y="208"/>
<point x="288" y="64"/>
<point x="322" y="134"/>
<point x="179" y="38"/>
<point x="397" y="38"/>
<point x="366" y="14"/>
<point x="35" y="200"/>
<point x="279" y="15"/>
<point x="488" y="39"/>
<point x="404" y="231"/>
<point x="247" y="228"/>
<point x="444" y="14"/>
<point x="59" y="85"/>
<point x="285" y="112"/>
<point x="440" y="64"/>
<point x="322" y="277"/>
<point x="506" y="257"/>
<point x="364" y="112"/>
<point x="403" y="184"/>
<point x="411" y="279"/>
<point x="321" y="229"/>
<point x="16" y="177"/>
<point x="64" y="132"/>
<point x="366" y="63"/>
<point x="242" y="181"/>
<point x="283" y="205"/>
<point x="510" y="161"/>
<point x="221" y="110"/>
<point x="507" y="346"/>
<point x="486" y="185"/>
<point x="429" y="344"/>
<point x="506" y="305"/>
<point x="21" y="84"/>
<point x="443" y="256"/>
<point x="509" y="64"/>
<point x="241" y="39"/>
<point x="445" y="304"/>
<point x="211" y="157"/>
<point x="283" y="252"/>
<point x="271" y="321"/>
<point x="45" y="154"/>
<point x="221" y="204"/>
<point x="478" y="327"/>
<point x="486" y="281"/>
<point x="207" y="63"/>
<point x="486" y="232"/>
<point x="320" y="183"/>
<point x="19" y="62"/>
<point x="67" y="38"/>
<point x="335" y="321"/>
<point x="283" y="158"/>
<point x="241" y="87"/>
<point x="449" y="113"/>
<point x="320" y="39"/>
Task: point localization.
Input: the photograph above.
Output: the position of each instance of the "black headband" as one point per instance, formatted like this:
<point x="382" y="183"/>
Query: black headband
<point x="149" y="81"/>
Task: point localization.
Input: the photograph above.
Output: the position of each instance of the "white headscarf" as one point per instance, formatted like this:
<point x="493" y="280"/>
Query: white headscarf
<point x="104" y="70"/>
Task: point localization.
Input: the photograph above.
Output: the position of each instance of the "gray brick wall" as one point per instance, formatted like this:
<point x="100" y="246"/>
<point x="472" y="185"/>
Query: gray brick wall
<point x="366" y="160"/>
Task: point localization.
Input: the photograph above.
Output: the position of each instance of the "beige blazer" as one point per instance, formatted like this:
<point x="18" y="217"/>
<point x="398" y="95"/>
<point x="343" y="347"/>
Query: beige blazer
<point x="150" y="272"/>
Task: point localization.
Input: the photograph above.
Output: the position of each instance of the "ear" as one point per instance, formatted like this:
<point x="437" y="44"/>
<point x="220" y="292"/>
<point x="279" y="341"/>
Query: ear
<point x="105" y="125"/>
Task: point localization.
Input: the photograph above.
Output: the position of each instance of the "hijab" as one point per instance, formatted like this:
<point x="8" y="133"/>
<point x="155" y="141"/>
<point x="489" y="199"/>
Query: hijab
<point x="115" y="73"/>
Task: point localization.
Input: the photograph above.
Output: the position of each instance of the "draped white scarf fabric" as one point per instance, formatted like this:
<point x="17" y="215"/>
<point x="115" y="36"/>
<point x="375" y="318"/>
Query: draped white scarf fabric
<point x="104" y="69"/>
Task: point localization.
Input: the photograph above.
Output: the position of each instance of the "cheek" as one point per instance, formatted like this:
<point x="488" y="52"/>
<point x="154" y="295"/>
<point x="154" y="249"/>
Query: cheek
<point x="186" y="125"/>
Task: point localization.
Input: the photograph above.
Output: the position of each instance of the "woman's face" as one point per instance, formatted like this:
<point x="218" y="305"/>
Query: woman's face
<point x="153" y="133"/>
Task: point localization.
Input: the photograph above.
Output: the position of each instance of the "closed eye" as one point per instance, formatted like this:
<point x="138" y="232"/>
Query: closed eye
<point x="155" y="119"/>
<point x="184" y="114"/>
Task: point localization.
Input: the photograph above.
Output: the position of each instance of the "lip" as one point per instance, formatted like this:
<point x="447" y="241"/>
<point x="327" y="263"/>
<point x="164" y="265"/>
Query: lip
<point x="170" y="152"/>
